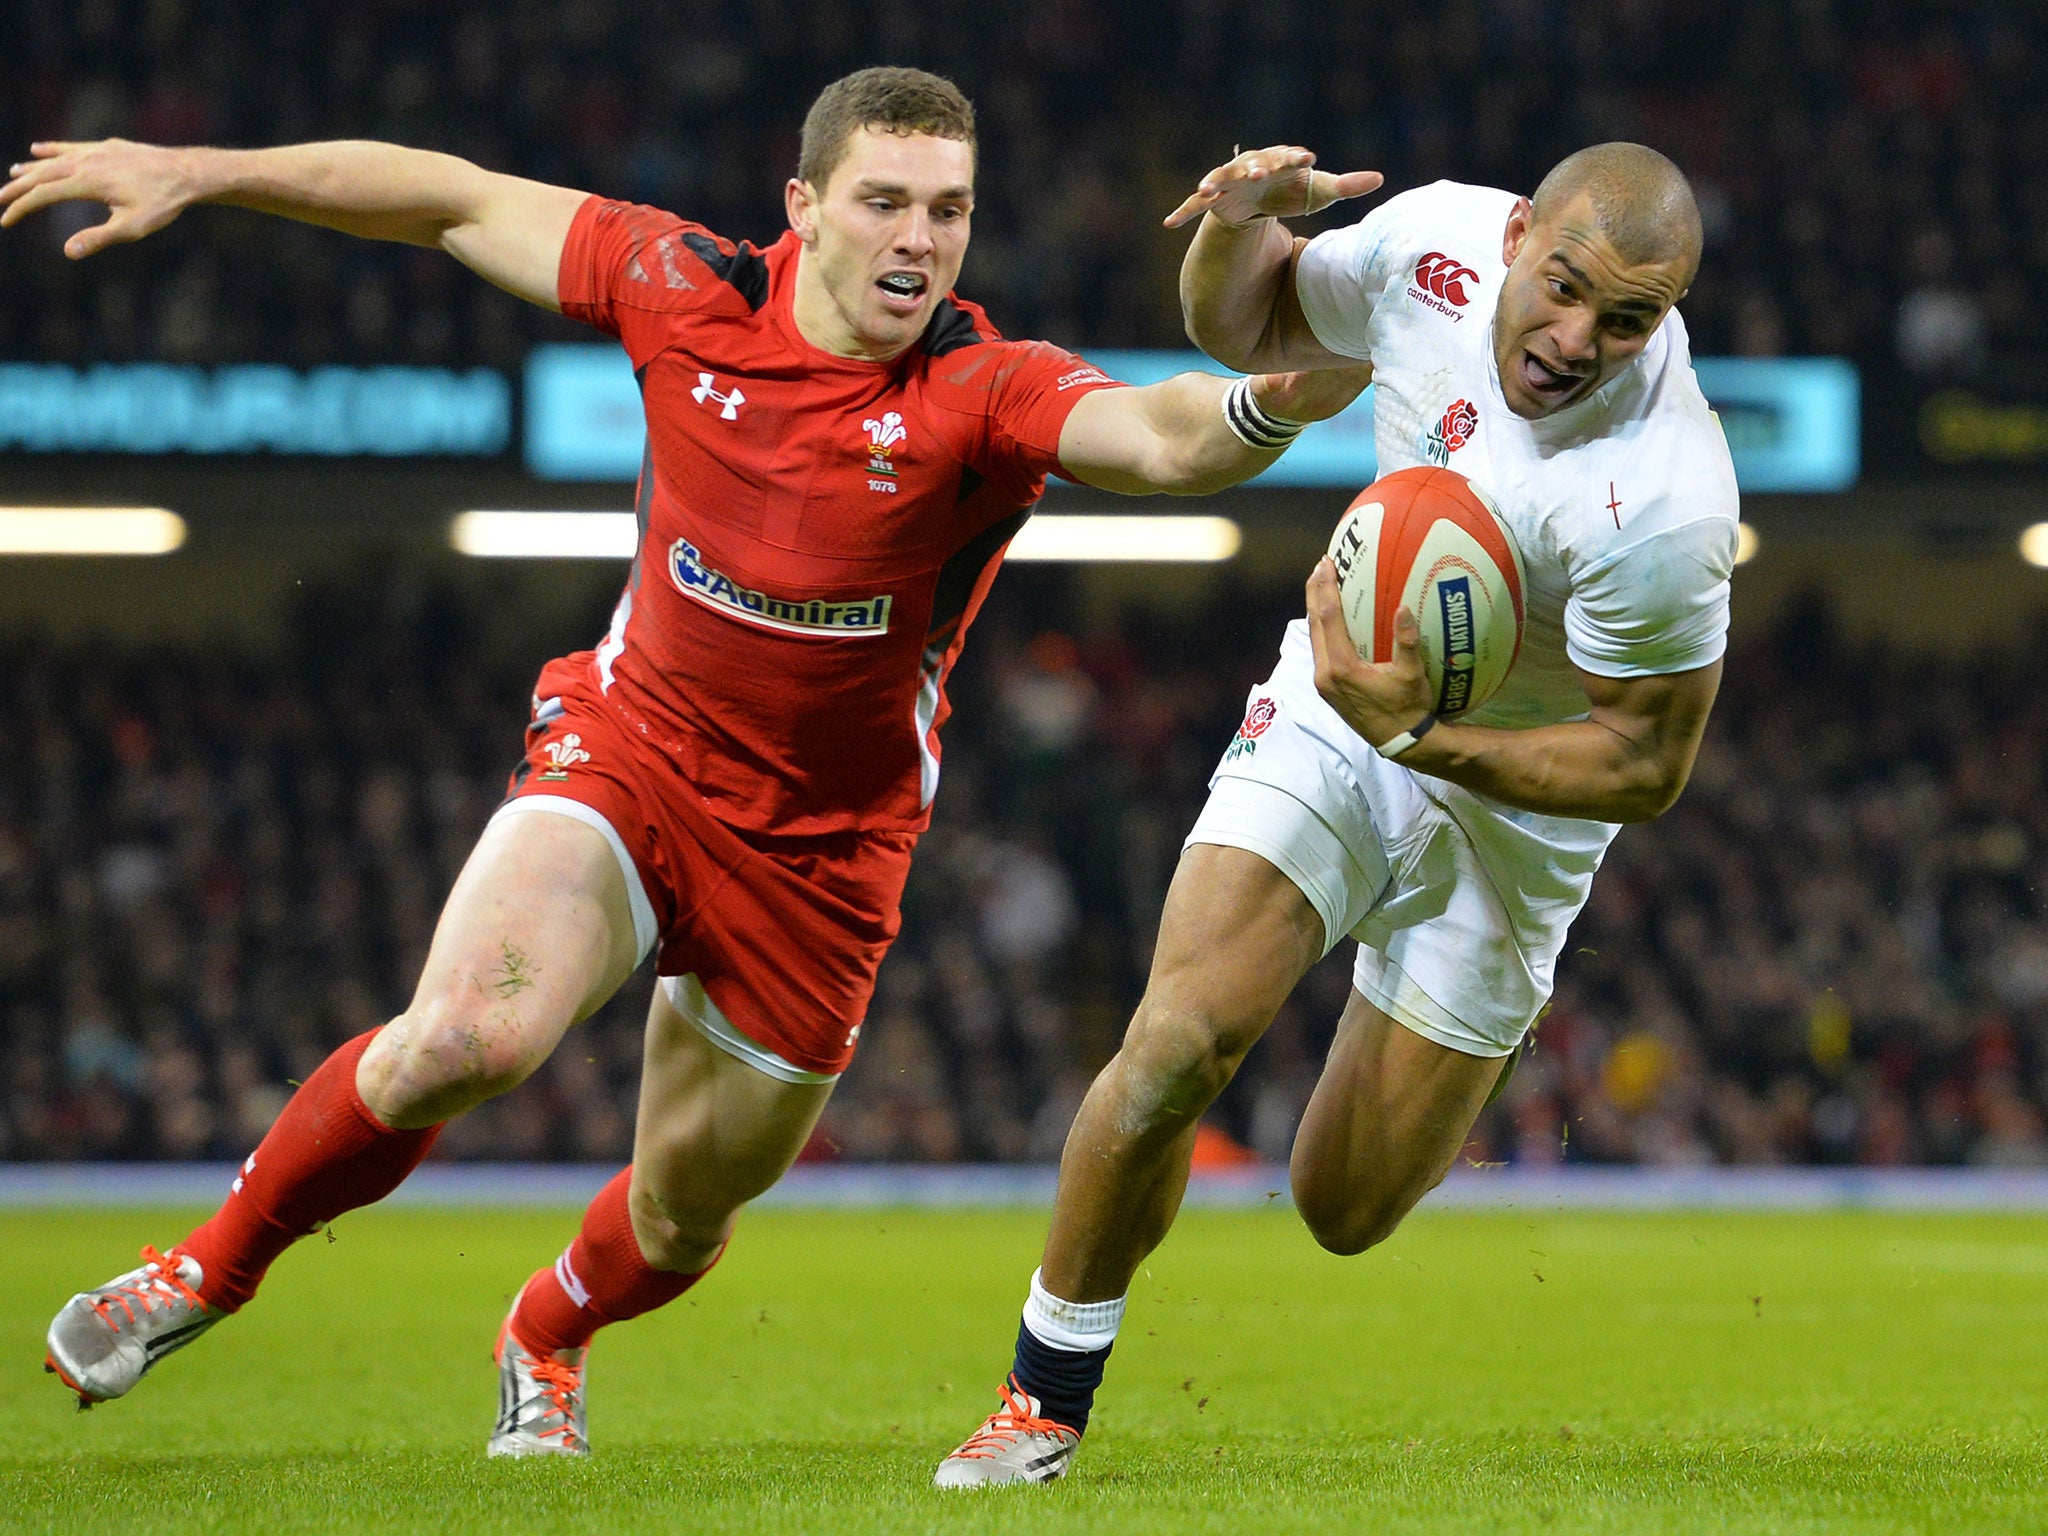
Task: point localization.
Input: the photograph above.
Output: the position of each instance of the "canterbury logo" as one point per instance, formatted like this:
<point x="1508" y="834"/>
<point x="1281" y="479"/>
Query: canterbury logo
<point x="730" y="402"/>
<point x="887" y="432"/>
<point x="1445" y="278"/>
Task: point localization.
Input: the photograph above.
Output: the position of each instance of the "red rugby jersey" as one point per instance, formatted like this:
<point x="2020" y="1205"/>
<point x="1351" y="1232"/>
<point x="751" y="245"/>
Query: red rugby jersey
<point x="816" y="532"/>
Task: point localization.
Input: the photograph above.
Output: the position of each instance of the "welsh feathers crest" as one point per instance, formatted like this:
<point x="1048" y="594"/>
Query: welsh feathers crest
<point x="886" y="433"/>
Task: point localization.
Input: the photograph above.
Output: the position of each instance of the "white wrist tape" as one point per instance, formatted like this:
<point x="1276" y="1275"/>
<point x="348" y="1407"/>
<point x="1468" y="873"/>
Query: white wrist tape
<point x="1252" y="424"/>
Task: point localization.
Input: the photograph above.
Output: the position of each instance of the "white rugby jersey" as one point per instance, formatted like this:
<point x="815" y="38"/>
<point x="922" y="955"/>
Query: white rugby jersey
<point x="1623" y="504"/>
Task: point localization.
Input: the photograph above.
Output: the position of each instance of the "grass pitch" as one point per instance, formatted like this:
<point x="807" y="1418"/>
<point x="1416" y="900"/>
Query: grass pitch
<point x="1534" y="1372"/>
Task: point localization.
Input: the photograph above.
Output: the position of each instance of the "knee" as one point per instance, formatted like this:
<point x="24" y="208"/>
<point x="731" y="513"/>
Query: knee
<point x="675" y="1237"/>
<point x="440" y="1057"/>
<point x="1183" y="1056"/>
<point x="1349" y="1221"/>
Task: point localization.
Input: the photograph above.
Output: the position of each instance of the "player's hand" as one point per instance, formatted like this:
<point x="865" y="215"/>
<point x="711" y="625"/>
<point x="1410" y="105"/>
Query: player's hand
<point x="1281" y="182"/>
<point x="1315" y="394"/>
<point x="143" y="186"/>
<point x="1377" y="701"/>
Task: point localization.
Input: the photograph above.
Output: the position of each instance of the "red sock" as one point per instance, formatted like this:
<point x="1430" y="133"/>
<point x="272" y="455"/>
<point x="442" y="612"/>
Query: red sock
<point x="602" y="1278"/>
<point x="326" y="1154"/>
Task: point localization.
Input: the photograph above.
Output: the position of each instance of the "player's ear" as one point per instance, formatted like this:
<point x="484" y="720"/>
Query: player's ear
<point x="1516" y="235"/>
<point x="799" y="203"/>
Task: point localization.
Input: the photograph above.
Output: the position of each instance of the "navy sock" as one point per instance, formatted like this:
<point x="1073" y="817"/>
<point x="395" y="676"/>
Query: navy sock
<point x="1063" y="1380"/>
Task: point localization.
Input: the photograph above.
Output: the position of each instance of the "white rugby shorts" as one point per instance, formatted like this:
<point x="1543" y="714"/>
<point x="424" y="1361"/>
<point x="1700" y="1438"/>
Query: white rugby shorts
<point x="1459" y="904"/>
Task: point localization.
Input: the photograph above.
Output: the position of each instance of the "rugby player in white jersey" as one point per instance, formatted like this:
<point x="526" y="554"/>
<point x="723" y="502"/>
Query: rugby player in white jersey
<point x="1530" y="344"/>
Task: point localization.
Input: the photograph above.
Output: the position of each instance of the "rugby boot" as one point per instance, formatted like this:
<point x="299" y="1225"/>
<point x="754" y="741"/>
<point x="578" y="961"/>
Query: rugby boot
<point x="1015" y="1444"/>
<point x="540" y="1400"/>
<point x="105" y="1341"/>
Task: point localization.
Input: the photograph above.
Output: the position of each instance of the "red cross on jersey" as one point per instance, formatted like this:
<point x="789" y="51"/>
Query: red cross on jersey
<point x="816" y="532"/>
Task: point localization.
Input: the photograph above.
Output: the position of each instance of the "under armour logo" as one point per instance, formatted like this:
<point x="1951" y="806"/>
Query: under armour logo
<point x="1445" y="277"/>
<point x="730" y="403"/>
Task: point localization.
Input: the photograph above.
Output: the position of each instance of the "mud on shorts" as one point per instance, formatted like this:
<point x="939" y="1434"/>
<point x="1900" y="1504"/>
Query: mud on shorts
<point x="768" y="944"/>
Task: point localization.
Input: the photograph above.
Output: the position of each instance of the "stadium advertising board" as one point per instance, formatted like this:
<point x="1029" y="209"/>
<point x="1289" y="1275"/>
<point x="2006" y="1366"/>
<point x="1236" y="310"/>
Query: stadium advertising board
<point x="1996" y="427"/>
<point x="254" y="408"/>
<point x="1792" y="423"/>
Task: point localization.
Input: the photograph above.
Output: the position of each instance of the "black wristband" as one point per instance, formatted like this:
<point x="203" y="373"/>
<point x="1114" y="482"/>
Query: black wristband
<point x="1394" y="746"/>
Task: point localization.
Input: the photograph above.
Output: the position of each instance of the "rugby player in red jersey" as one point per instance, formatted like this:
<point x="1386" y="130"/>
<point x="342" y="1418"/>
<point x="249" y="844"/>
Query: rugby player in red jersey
<point x="838" y="452"/>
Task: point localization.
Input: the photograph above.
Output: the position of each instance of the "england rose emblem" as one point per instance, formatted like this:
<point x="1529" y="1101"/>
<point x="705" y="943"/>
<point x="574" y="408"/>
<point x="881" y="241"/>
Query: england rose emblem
<point x="1453" y="431"/>
<point x="1257" y="718"/>
<point x="1458" y="424"/>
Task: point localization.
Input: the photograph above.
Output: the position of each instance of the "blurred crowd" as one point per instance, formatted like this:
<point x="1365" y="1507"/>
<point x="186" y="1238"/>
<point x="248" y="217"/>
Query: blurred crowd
<point x="1873" y="173"/>
<point x="214" y="869"/>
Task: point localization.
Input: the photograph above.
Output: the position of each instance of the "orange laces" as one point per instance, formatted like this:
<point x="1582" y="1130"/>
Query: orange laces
<point x="1007" y="1422"/>
<point x="143" y="1296"/>
<point x="559" y="1382"/>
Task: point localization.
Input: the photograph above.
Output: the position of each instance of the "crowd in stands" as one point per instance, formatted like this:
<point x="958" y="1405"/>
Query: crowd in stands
<point x="214" y="869"/>
<point x="1873" y="174"/>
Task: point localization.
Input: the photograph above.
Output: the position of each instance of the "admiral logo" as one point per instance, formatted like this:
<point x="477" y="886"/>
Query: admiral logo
<point x="1453" y="430"/>
<point x="1440" y="283"/>
<point x="1454" y="609"/>
<point x="730" y="402"/>
<point x="883" y="436"/>
<point x="803" y="616"/>
<point x="1083" y="375"/>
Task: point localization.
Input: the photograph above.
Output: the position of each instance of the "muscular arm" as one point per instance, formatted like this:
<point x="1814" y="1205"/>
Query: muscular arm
<point x="1171" y="436"/>
<point x="1237" y="293"/>
<point x="507" y="229"/>
<point x="1238" y="301"/>
<point x="1627" y="761"/>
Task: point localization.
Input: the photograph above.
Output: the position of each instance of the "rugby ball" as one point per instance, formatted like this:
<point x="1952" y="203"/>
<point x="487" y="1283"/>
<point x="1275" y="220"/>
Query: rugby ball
<point x="1430" y="541"/>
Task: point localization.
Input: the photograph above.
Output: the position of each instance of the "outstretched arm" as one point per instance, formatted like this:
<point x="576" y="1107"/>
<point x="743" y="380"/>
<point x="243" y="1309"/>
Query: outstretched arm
<point x="1237" y="293"/>
<point x="1172" y="436"/>
<point x="508" y="229"/>
<point x="1626" y="761"/>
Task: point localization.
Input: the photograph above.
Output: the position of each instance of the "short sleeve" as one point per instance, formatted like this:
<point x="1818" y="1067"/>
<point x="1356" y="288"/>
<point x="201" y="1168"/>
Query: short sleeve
<point x="1035" y="389"/>
<point x="1341" y="275"/>
<point x="622" y="269"/>
<point x="1659" y="605"/>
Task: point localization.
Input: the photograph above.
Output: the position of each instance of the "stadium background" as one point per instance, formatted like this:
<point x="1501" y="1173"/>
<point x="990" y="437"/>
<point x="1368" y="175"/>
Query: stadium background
<point x="239" y="778"/>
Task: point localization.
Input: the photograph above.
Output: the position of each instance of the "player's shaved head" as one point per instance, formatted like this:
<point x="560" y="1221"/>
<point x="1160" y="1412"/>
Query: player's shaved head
<point x="1642" y="202"/>
<point x="891" y="99"/>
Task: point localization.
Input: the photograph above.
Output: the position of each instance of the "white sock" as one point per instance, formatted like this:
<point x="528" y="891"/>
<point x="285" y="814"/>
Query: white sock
<point x="1080" y="1326"/>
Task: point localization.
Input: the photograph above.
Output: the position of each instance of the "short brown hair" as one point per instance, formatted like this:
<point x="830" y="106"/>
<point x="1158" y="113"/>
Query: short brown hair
<point x="892" y="99"/>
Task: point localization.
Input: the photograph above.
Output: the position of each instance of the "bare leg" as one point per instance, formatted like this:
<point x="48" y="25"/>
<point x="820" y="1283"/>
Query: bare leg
<point x="1383" y="1127"/>
<point x="713" y="1133"/>
<point x="1235" y="937"/>
<point x="536" y="935"/>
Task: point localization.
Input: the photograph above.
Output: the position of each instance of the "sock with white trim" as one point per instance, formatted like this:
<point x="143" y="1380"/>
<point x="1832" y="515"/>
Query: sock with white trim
<point x="601" y="1278"/>
<point x="1062" y="1347"/>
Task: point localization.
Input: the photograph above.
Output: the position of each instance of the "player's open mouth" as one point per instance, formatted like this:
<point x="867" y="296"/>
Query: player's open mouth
<point x="1546" y="382"/>
<point x="903" y="291"/>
